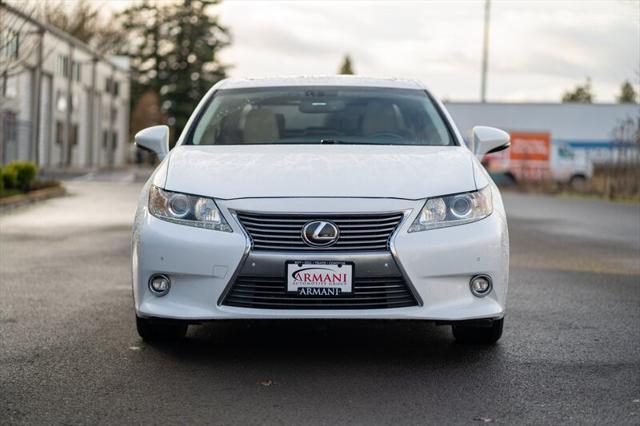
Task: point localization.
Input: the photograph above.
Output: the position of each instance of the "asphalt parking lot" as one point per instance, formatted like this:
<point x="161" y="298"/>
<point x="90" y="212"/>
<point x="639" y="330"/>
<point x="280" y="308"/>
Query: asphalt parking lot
<point x="69" y="352"/>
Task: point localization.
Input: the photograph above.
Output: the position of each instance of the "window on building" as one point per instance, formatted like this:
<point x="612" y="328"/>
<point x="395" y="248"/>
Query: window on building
<point x="68" y="68"/>
<point x="60" y="65"/>
<point x="12" y="43"/>
<point x="78" y="71"/>
<point x="9" y="86"/>
<point x="61" y="101"/>
<point x="112" y="87"/>
<point x="64" y="67"/>
<point x="10" y="126"/>
<point x="105" y="138"/>
<point x="59" y="132"/>
<point x="74" y="134"/>
<point x="114" y="141"/>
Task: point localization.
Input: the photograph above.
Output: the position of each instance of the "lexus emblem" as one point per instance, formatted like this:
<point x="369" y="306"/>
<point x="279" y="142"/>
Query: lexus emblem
<point x="320" y="233"/>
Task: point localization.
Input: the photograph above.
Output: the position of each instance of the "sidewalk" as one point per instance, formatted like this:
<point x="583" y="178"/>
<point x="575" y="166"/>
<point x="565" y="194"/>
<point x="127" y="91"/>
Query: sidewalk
<point x="122" y="174"/>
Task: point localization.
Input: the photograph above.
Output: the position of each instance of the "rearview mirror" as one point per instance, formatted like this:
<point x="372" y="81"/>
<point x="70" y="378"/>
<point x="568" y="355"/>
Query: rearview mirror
<point x="486" y="140"/>
<point x="154" y="139"/>
<point x="321" y="105"/>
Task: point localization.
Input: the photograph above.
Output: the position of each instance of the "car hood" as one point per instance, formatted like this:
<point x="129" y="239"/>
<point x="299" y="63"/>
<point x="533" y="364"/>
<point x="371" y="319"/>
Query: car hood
<point x="246" y="171"/>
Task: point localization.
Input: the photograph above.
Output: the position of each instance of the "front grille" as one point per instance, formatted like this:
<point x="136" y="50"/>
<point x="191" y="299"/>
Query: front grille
<point x="284" y="231"/>
<point x="367" y="293"/>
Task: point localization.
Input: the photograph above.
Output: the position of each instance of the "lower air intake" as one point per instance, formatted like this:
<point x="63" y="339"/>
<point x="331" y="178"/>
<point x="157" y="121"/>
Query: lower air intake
<point x="367" y="293"/>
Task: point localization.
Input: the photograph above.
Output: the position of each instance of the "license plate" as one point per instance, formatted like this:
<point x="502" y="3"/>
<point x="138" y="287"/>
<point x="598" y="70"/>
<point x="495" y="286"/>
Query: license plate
<point x="319" y="278"/>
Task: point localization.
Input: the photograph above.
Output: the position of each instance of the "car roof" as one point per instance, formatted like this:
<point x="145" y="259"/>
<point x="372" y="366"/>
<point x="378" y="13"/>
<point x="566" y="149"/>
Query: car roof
<point x="334" y="80"/>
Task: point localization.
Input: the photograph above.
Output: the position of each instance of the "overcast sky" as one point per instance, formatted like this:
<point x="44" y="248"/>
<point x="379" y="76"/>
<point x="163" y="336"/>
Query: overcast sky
<point x="537" y="50"/>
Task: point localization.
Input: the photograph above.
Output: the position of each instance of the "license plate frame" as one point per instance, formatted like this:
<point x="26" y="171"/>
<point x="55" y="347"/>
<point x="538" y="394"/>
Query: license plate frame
<point x="319" y="266"/>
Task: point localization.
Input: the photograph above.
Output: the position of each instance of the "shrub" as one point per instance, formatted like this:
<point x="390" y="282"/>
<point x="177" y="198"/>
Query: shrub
<point x="9" y="178"/>
<point x="27" y="172"/>
<point x="19" y="175"/>
<point x="1" y="182"/>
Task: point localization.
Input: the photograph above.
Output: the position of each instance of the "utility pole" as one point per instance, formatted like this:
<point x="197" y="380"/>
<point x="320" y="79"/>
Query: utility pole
<point x="67" y="146"/>
<point x="485" y="51"/>
<point x="112" y="120"/>
<point x="37" y="100"/>
<point x="91" y="137"/>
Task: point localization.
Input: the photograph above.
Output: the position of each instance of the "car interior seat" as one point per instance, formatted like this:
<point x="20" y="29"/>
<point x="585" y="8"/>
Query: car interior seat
<point x="380" y="117"/>
<point x="261" y="126"/>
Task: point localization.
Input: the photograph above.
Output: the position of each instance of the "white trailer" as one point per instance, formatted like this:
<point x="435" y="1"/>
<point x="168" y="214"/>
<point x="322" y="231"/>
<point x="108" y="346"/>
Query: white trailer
<point x="590" y="128"/>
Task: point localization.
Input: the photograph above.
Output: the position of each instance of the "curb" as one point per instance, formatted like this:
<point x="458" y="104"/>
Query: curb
<point x="8" y="203"/>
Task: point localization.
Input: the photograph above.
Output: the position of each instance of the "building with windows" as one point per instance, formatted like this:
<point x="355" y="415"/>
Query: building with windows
<point x="61" y="103"/>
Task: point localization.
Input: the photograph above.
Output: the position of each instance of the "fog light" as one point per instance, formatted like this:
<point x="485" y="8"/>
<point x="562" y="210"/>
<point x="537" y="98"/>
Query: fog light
<point x="480" y="285"/>
<point x="159" y="284"/>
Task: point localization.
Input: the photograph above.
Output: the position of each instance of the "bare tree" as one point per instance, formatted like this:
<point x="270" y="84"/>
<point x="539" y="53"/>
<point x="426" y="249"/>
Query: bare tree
<point x="19" y="41"/>
<point x="85" y="22"/>
<point x="623" y="173"/>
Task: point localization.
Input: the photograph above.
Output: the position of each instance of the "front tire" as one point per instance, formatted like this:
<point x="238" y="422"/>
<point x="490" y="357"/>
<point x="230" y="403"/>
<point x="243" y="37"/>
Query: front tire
<point x="578" y="183"/>
<point x="478" y="333"/>
<point x="159" y="330"/>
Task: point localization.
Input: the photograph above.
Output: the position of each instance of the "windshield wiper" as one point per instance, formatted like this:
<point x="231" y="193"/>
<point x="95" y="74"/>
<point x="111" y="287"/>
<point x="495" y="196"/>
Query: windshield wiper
<point x="335" y="141"/>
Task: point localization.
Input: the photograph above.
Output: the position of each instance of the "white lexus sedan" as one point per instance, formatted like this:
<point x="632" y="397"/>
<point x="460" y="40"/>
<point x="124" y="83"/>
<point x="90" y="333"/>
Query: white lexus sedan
<point x="328" y="197"/>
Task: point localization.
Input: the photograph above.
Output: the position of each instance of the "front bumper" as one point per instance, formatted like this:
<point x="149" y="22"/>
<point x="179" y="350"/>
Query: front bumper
<point x="437" y="264"/>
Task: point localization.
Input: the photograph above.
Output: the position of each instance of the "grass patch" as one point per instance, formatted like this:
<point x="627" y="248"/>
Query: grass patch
<point x="629" y="199"/>
<point x="10" y="193"/>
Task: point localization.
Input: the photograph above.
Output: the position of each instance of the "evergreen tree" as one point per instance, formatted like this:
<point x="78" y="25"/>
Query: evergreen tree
<point x="173" y="52"/>
<point x="198" y="38"/>
<point x="346" y="67"/>
<point x="627" y="94"/>
<point x="144" y="24"/>
<point x="581" y="94"/>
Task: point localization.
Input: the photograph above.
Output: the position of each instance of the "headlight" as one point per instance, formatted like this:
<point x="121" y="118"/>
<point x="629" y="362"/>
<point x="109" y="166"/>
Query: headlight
<point x="454" y="210"/>
<point x="186" y="209"/>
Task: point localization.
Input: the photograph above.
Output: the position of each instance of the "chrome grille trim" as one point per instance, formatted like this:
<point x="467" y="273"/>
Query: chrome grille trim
<point x="275" y="231"/>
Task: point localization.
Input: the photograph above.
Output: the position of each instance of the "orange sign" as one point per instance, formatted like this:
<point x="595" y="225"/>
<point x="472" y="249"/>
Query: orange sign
<point x="527" y="146"/>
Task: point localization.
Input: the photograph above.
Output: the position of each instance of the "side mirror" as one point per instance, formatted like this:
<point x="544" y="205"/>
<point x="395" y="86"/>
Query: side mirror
<point x="154" y="139"/>
<point x="486" y="140"/>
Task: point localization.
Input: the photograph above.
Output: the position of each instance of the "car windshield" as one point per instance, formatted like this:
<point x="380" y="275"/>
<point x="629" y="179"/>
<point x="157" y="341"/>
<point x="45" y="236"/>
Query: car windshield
<point x="313" y="115"/>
